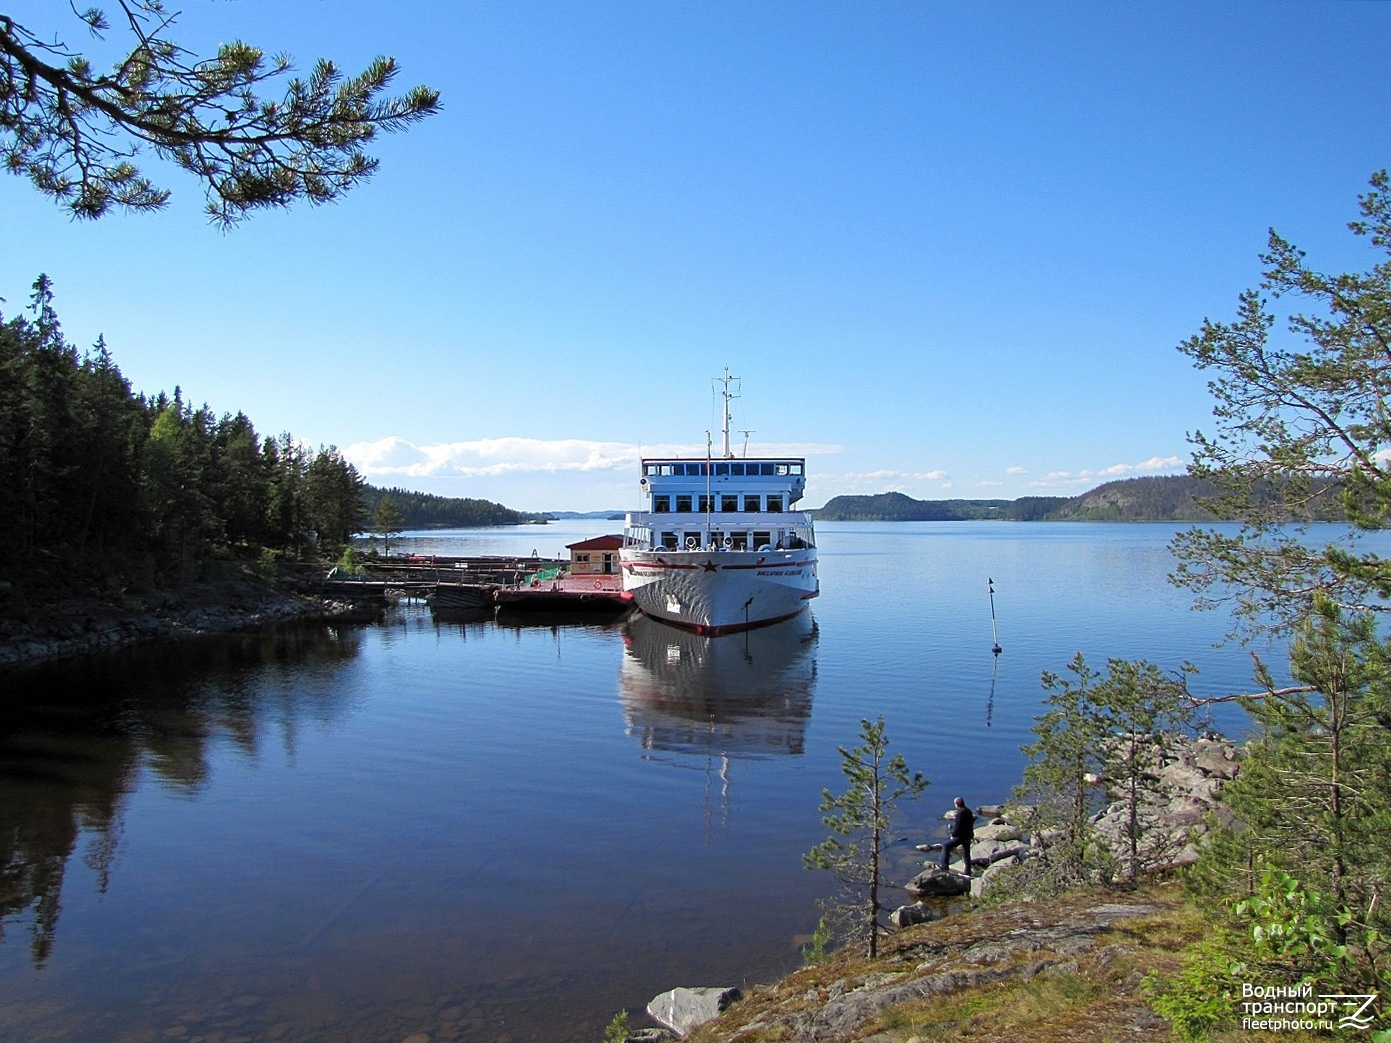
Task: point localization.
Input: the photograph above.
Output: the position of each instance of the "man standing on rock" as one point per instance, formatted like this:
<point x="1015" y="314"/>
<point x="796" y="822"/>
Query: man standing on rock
<point x="963" y="829"/>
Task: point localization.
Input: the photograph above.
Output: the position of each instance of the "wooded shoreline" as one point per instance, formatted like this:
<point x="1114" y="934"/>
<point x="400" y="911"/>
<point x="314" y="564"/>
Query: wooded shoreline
<point x="34" y="634"/>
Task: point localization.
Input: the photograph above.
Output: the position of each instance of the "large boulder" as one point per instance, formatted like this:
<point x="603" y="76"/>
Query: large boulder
<point x="939" y="883"/>
<point x="1216" y="758"/>
<point x="907" y="915"/>
<point x="684" y="1009"/>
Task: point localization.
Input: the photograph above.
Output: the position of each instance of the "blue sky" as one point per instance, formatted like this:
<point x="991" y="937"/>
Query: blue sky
<point x="949" y="249"/>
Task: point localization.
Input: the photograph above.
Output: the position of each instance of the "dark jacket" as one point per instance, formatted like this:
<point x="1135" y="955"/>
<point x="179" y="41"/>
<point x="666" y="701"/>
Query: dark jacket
<point x="963" y="824"/>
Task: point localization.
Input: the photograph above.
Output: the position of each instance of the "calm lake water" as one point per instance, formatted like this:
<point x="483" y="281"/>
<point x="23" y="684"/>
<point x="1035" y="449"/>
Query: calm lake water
<point x="490" y="831"/>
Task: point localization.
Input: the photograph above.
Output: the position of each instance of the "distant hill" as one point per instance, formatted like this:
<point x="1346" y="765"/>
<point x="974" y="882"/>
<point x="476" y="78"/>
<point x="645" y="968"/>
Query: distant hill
<point x="1162" y="498"/>
<point x="897" y="507"/>
<point x="427" y="511"/>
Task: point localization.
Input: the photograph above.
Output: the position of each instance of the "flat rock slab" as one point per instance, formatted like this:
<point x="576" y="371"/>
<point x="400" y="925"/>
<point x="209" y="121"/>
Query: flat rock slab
<point x="684" y="1009"/>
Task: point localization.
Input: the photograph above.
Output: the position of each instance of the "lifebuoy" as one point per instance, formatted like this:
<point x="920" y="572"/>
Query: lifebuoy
<point x="598" y="584"/>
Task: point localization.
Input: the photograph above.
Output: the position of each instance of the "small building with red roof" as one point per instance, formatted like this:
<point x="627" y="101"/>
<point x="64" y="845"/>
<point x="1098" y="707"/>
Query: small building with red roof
<point x="594" y="557"/>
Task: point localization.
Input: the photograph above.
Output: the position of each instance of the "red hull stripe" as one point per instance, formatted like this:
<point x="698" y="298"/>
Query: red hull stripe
<point x="658" y="566"/>
<point x="732" y="628"/>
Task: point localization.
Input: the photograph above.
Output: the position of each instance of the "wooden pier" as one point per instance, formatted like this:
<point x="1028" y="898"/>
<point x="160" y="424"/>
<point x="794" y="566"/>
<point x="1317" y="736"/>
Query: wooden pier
<point x="476" y="585"/>
<point x="599" y="592"/>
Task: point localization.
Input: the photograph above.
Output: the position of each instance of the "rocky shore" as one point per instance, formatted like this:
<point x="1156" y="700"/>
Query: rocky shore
<point x="33" y="634"/>
<point x="1183" y="778"/>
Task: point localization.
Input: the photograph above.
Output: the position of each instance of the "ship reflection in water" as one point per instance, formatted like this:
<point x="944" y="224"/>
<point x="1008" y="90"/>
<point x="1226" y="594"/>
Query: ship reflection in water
<point x="745" y="695"/>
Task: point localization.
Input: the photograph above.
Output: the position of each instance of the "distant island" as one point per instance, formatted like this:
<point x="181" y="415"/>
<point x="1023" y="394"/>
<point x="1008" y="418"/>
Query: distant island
<point x="427" y="511"/>
<point x="1163" y="498"/>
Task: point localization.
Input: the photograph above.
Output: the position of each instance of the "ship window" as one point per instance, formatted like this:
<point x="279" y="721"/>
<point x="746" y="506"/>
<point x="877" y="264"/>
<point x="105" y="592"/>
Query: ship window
<point x="763" y="541"/>
<point x="765" y="468"/>
<point x="729" y="503"/>
<point x="669" y="541"/>
<point x="722" y="469"/>
<point x="661" y="504"/>
<point x="736" y="468"/>
<point x="716" y="539"/>
<point x="796" y="468"/>
<point x="683" y="504"/>
<point x="741" y="540"/>
<point x="774" y="504"/>
<point x="692" y="540"/>
<point x="782" y="469"/>
<point x="707" y="504"/>
<point x="668" y="469"/>
<point x="751" y="503"/>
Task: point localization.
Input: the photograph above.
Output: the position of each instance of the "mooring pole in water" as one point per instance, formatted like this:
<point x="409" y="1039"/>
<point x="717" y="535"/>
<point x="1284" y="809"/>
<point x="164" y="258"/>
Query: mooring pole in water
<point x="994" y="631"/>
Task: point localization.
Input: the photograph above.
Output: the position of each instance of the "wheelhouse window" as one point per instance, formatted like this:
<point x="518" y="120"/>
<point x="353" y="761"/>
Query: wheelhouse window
<point x="707" y="504"/>
<point x="683" y="504"/>
<point x="729" y="503"/>
<point x="774" y="504"/>
<point x="661" y="504"/>
<point x="751" y="503"/>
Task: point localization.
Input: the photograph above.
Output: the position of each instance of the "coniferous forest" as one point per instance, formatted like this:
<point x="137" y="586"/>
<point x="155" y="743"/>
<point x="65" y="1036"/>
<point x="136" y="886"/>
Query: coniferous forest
<point x="104" y="490"/>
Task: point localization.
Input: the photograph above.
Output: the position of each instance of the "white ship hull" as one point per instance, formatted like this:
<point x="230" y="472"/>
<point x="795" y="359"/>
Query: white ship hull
<point x="718" y="591"/>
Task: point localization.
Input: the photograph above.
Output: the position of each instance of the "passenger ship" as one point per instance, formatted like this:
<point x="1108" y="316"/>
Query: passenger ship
<point x="719" y="547"/>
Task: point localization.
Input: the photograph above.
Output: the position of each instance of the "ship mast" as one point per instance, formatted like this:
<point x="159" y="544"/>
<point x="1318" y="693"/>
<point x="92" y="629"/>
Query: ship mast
<point x="725" y="452"/>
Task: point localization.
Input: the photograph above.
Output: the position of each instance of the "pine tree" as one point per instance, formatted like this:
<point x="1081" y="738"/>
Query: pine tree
<point x="387" y="520"/>
<point x="73" y="131"/>
<point x="1314" y="793"/>
<point x="1066" y="754"/>
<point x="1301" y="422"/>
<point x="861" y="820"/>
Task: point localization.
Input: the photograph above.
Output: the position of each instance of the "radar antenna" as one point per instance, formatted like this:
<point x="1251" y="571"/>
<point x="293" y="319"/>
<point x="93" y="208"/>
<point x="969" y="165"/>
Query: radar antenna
<point x="726" y="394"/>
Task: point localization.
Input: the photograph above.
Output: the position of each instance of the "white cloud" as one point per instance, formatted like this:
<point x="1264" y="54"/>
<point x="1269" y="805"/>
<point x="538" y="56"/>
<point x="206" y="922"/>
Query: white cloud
<point x="1076" y="479"/>
<point x="1016" y="470"/>
<point x="395" y="457"/>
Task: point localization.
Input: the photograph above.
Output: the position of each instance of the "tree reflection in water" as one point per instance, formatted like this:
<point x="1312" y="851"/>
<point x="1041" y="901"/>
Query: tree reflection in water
<point x="74" y="736"/>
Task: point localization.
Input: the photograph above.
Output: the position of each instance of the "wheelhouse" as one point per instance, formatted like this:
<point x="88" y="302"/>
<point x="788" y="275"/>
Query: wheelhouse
<point x="744" y="504"/>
